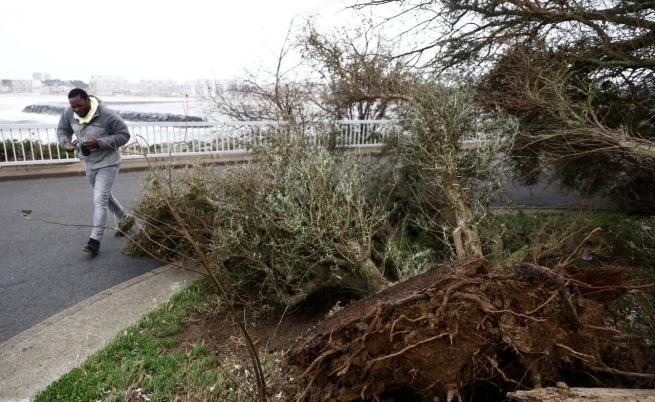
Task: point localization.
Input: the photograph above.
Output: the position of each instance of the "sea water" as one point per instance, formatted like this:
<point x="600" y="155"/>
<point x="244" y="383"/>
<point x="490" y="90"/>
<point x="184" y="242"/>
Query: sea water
<point x="12" y="105"/>
<point x="16" y="124"/>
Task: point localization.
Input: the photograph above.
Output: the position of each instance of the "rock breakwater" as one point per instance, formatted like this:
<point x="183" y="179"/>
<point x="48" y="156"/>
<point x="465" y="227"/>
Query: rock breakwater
<point x="126" y="115"/>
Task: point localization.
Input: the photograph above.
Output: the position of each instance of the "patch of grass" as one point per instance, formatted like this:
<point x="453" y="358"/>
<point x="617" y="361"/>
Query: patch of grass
<point x="141" y="362"/>
<point x="624" y="239"/>
<point x="636" y="314"/>
<point x="627" y="241"/>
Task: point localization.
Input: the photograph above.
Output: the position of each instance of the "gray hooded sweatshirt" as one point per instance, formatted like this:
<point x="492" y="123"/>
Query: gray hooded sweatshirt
<point x="106" y="126"/>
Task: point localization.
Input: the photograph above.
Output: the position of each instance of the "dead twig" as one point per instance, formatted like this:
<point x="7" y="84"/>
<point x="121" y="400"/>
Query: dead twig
<point x="567" y="261"/>
<point x="542" y="305"/>
<point x="606" y="369"/>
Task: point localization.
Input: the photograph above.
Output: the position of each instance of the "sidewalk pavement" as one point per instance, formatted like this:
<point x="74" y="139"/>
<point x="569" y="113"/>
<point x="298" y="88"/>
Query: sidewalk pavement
<point x="30" y="361"/>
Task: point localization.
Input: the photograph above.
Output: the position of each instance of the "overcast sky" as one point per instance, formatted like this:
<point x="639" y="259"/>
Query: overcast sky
<point x="149" y="39"/>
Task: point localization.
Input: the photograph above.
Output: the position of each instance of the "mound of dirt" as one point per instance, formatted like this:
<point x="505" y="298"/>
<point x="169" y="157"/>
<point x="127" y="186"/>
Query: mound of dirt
<point x="458" y="332"/>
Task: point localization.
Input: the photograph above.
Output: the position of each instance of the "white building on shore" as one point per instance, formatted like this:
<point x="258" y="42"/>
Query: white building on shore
<point x="15" y="86"/>
<point x="109" y="85"/>
<point x="103" y="85"/>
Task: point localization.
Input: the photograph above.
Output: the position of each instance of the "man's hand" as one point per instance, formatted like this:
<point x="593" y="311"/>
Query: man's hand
<point x="90" y="143"/>
<point x="68" y="147"/>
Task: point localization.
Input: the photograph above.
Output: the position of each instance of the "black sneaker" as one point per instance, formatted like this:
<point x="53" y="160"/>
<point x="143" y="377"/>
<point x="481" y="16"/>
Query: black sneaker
<point x="92" y="247"/>
<point x="124" y="226"/>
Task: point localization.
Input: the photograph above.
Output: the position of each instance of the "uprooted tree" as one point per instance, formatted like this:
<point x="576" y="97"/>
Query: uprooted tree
<point x="302" y="220"/>
<point x="439" y="119"/>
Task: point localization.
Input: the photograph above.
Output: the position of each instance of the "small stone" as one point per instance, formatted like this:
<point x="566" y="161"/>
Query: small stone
<point x="561" y="385"/>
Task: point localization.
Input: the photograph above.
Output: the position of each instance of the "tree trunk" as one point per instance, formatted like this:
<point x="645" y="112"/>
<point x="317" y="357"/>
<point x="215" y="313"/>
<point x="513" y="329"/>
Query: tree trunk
<point x="469" y="244"/>
<point x="373" y="276"/>
<point x="565" y="394"/>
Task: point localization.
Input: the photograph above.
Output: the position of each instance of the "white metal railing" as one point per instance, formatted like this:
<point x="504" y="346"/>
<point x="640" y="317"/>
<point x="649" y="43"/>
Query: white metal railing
<point x="31" y="144"/>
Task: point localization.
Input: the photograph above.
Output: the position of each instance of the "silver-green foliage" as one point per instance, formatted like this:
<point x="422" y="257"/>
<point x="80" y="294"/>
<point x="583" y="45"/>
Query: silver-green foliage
<point x="295" y="223"/>
<point x="455" y="151"/>
<point x="309" y="227"/>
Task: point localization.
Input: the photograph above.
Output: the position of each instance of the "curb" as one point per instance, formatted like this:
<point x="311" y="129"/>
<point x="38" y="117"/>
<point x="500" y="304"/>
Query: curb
<point x="16" y="339"/>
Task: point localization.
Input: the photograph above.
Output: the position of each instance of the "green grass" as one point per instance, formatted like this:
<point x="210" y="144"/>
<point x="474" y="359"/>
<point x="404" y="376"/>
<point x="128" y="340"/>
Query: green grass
<point x="625" y="240"/>
<point x="637" y="312"/>
<point x="143" y="360"/>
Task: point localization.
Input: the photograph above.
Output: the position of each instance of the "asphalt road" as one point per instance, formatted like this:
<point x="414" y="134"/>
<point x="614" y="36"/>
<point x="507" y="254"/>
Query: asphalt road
<point x="42" y="270"/>
<point x="548" y="194"/>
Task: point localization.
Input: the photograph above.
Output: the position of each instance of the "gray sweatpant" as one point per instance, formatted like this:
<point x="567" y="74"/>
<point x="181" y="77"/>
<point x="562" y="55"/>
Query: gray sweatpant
<point x="101" y="181"/>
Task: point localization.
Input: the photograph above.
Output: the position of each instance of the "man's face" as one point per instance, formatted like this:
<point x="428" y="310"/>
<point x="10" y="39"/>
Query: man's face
<point x="80" y="106"/>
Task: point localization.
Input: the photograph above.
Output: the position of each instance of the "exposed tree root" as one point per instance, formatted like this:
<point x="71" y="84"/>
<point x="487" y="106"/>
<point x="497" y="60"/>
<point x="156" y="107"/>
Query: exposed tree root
<point x="440" y="332"/>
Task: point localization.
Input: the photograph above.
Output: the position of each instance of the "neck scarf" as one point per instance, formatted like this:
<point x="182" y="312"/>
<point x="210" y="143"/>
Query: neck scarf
<point x="94" y="108"/>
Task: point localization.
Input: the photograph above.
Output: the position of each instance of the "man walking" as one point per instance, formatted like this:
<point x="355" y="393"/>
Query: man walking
<point x="99" y="132"/>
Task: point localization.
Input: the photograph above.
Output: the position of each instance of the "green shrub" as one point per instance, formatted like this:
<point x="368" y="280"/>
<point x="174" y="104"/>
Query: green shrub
<point x="14" y="150"/>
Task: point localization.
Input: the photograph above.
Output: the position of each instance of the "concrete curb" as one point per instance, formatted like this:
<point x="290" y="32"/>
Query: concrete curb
<point x="33" y="359"/>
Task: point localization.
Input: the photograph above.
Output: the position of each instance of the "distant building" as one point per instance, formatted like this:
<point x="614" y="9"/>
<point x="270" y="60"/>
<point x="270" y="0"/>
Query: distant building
<point x="159" y="88"/>
<point x="37" y="87"/>
<point x="16" y="86"/>
<point x="37" y="83"/>
<point x="205" y="87"/>
<point x="41" y="77"/>
<point x="61" y="87"/>
<point x="109" y="85"/>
